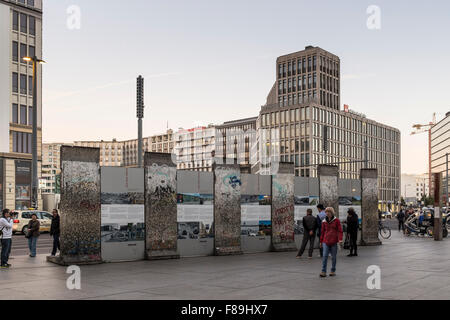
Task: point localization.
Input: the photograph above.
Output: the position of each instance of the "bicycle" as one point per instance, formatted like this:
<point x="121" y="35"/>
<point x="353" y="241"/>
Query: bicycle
<point x="385" y="232"/>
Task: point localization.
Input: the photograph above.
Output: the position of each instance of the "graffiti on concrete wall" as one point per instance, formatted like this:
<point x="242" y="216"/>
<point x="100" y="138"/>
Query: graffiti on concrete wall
<point x="80" y="210"/>
<point x="161" y="200"/>
<point x="282" y="208"/>
<point x="227" y="208"/>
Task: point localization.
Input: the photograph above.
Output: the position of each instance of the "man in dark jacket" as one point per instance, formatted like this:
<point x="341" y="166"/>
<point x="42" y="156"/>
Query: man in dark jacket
<point x="352" y="231"/>
<point x="55" y="231"/>
<point x="309" y="233"/>
<point x="401" y="220"/>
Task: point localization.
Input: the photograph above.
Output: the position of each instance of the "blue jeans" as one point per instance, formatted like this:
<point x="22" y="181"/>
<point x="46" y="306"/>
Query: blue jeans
<point x="32" y="245"/>
<point x="326" y="251"/>
<point x="6" y="249"/>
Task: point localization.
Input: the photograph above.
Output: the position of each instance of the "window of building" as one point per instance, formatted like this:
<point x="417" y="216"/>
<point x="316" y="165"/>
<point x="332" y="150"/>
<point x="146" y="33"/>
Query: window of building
<point x="30" y="85"/>
<point x="30" y="116"/>
<point x="23" y="84"/>
<point x="15" y="21"/>
<point x="15" y="51"/>
<point x="23" y="23"/>
<point x="23" y="114"/>
<point x="23" y="52"/>
<point x="30" y="3"/>
<point x="15" y="113"/>
<point x="32" y="25"/>
<point x="31" y="51"/>
<point x="15" y="82"/>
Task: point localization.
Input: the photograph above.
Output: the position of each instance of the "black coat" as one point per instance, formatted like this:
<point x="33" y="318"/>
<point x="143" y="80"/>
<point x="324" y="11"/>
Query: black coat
<point x="54" y="229"/>
<point x="352" y="223"/>
<point x="309" y="224"/>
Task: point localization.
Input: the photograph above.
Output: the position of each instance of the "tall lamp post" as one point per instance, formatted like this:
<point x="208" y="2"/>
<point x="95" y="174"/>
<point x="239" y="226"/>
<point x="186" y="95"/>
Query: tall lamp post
<point x="34" y="177"/>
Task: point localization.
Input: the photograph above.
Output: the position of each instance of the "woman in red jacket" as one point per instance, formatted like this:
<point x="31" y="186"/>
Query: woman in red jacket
<point x="330" y="236"/>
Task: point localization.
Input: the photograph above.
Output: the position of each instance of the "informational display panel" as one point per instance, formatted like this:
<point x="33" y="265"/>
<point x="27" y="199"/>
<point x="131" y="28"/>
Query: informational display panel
<point x="122" y="205"/>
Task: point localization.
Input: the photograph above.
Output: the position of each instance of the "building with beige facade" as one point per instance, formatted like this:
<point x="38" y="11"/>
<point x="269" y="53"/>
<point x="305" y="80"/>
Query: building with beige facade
<point x="20" y="36"/>
<point x="304" y="106"/>
<point x="116" y="153"/>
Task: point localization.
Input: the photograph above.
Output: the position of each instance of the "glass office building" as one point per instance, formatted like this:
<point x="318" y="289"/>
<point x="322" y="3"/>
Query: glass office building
<point x="440" y="152"/>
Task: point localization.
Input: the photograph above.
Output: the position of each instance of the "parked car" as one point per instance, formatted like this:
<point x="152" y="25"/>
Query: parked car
<point x="21" y="219"/>
<point x="386" y="215"/>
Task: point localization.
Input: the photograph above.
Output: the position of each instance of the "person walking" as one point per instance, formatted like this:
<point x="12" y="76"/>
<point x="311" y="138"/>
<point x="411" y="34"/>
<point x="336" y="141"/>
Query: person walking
<point x="352" y="231"/>
<point x="309" y="233"/>
<point x="6" y="226"/>
<point x="55" y="232"/>
<point x="330" y="236"/>
<point x="401" y="220"/>
<point x="320" y="217"/>
<point x="33" y="234"/>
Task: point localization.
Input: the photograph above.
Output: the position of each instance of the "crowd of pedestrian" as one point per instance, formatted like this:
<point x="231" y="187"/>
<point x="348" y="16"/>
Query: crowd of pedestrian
<point x="32" y="234"/>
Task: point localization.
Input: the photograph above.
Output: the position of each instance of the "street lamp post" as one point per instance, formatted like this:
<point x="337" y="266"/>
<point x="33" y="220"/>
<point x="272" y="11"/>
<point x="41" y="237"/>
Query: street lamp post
<point x="34" y="176"/>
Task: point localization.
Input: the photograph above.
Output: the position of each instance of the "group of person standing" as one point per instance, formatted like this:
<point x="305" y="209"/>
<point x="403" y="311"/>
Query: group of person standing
<point x="327" y="227"/>
<point x="32" y="234"/>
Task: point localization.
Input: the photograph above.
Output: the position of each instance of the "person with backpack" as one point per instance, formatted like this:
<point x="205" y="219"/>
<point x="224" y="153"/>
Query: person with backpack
<point x="330" y="236"/>
<point x="55" y="231"/>
<point x="33" y="234"/>
<point x="320" y="217"/>
<point x="352" y="231"/>
<point x="6" y="226"/>
<point x="309" y="233"/>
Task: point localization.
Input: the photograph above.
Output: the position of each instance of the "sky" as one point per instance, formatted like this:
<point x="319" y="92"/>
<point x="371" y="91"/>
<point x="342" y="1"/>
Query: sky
<point x="210" y="61"/>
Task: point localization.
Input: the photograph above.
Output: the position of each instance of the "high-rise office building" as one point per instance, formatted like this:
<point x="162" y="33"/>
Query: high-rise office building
<point x="440" y="153"/>
<point x="303" y="107"/>
<point x="20" y="36"/>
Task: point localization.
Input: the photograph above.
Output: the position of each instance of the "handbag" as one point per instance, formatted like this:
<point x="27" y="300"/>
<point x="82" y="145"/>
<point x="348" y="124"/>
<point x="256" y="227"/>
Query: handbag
<point x="347" y="243"/>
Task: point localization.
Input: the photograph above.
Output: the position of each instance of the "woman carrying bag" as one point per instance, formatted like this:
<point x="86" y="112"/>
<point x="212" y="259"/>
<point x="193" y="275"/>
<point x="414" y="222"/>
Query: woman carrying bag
<point x="352" y="232"/>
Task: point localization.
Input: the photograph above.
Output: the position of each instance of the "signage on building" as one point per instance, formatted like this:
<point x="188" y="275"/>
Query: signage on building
<point x="346" y="107"/>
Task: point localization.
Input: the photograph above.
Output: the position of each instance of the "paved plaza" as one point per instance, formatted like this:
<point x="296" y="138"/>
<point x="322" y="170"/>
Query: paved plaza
<point x="411" y="268"/>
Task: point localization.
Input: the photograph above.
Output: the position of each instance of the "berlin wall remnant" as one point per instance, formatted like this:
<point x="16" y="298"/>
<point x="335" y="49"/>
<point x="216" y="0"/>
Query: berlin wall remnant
<point x="160" y="207"/>
<point x="369" y="207"/>
<point x="80" y="207"/>
<point x="283" y="208"/>
<point x="227" y="209"/>
<point x="328" y="186"/>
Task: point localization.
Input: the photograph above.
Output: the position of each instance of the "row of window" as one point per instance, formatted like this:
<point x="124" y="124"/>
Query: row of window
<point x="23" y="52"/>
<point x="27" y="2"/>
<point x="308" y="64"/>
<point x="24" y="23"/>
<point x="286" y="116"/>
<point x="21" y="142"/>
<point x="23" y="83"/>
<point x="22" y="117"/>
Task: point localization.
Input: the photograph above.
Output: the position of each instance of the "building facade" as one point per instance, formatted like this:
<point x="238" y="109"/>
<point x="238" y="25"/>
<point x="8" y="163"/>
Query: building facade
<point x="195" y="148"/>
<point x="110" y="151"/>
<point x="313" y="131"/>
<point x="234" y="141"/>
<point x="20" y="36"/>
<point x="163" y="143"/>
<point x="440" y="152"/>
<point x="51" y="167"/>
<point x="124" y="153"/>
<point x="414" y="187"/>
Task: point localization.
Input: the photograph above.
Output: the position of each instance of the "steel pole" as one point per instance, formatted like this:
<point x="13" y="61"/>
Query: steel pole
<point x="140" y="142"/>
<point x="34" y="177"/>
